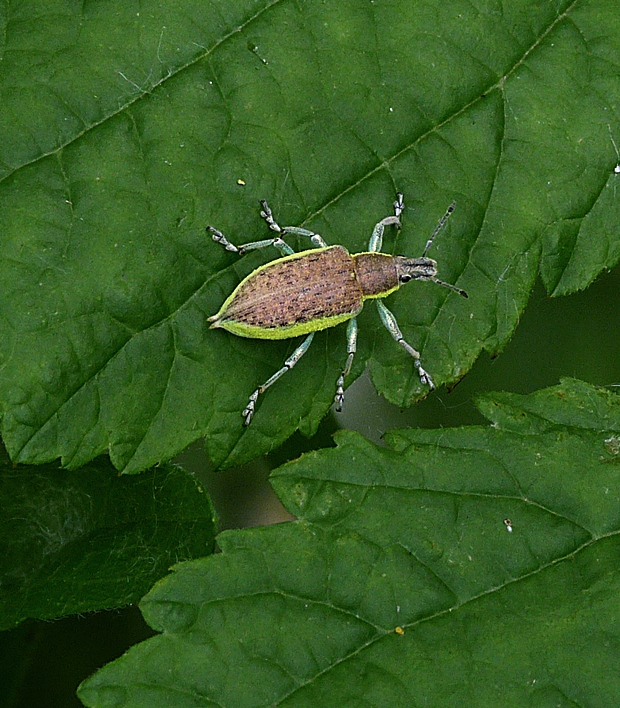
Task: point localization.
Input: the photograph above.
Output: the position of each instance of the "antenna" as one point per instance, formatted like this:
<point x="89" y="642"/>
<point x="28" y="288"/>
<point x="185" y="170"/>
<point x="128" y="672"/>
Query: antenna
<point x="450" y="287"/>
<point x="438" y="228"/>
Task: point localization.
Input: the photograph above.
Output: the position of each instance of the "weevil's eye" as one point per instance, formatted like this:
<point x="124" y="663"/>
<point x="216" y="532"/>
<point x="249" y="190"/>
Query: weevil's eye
<point x="405" y="278"/>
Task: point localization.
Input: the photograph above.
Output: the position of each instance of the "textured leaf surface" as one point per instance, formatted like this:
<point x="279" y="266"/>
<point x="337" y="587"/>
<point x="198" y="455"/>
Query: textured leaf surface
<point x="88" y="540"/>
<point x="474" y="566"/>
<point x="126" y="129"/>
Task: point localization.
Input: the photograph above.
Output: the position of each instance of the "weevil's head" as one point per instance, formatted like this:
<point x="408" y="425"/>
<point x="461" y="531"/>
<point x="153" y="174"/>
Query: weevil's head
<point x="415" y="268"/>
<point x="421" y="269"/>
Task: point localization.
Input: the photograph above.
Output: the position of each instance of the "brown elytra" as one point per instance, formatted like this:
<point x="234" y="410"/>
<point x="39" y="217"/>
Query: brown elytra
<point x="319" y="285"/>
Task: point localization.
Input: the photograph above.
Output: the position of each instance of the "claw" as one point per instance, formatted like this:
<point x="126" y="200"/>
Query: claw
<point x="219" y="237"/>
<point x="339" y="397"/>
<point x="268" y="216"/>
<point x="248" y="411"/>
<point x="399" y="206"/>
<point x="425" y="377"/>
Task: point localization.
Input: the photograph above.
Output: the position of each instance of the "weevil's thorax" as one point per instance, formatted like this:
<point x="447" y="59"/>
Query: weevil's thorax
<point x="380" y="274"/>
<point x="377" y="273"/>
<point x="415" y="268"/>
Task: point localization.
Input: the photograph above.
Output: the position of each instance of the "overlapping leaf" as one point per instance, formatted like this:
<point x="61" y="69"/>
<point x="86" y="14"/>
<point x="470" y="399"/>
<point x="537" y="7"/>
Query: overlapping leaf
<point x="87" y="540"/>
<point x="473" y="566"/>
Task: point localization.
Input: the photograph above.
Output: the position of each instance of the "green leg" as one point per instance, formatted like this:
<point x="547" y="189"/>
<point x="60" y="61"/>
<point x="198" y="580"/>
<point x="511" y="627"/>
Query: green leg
<point x="351" y="349"/>
<point x="392" y="327"/>
<point x="248" y="411"/>
<point x="376" y="240"/>
<point x="295" y="230"/>
<point x="281" y="245"/>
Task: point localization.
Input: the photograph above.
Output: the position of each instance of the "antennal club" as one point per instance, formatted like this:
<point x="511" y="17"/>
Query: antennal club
<point x="450" y="287"/>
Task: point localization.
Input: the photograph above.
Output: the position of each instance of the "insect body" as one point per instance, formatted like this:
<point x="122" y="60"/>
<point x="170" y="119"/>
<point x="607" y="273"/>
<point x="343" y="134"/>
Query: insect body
<point x="302" y="293"/>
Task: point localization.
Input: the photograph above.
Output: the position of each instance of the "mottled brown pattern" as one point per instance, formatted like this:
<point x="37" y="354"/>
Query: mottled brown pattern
<point x="376" y="272"/>
<point x="319" y="284"/>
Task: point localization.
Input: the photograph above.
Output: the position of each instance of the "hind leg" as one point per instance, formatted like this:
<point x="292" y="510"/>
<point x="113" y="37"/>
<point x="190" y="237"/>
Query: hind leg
<point x="351" y="349"/>
<point x="316" y="239"/>
<point x="248" y="411"/>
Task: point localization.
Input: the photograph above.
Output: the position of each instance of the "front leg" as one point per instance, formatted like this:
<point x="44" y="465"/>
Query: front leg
<point x="376" y="240"/>
<point x="392" y="327"/>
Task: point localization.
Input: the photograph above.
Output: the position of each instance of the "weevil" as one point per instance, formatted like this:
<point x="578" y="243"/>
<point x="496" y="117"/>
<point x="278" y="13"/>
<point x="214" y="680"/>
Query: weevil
<point x="302" y="293"/>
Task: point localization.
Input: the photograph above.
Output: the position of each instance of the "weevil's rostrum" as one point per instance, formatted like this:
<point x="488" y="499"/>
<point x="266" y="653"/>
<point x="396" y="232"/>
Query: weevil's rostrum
<point x="302" y="293"/>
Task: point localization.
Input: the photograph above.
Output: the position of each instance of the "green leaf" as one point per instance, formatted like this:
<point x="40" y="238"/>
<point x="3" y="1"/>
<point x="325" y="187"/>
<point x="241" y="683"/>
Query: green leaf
<point x="86" y="540"/>
<point x="126" y="130"/>
<point x="474" y="566"/>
